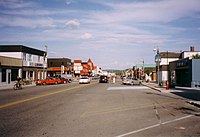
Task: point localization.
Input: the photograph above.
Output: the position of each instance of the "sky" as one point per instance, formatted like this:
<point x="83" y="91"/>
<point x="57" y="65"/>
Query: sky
<point x="115" y="34"/>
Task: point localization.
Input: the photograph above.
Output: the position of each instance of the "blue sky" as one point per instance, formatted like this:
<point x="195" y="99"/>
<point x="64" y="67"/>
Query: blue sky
<point x="115" y="34"/>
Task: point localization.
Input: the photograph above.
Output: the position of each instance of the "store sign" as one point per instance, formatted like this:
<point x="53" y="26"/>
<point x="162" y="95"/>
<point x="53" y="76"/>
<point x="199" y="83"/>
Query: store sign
<point x="32" y="64"/>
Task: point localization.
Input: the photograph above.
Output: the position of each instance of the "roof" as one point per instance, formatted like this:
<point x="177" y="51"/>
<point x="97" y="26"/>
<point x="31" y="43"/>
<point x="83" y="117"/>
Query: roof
<point x="170" y="55"/>
<point x="89" y="60"/>
<point x="77" y="61"/>
<point x="21" y="48"/>
<point x="59" y="59"/>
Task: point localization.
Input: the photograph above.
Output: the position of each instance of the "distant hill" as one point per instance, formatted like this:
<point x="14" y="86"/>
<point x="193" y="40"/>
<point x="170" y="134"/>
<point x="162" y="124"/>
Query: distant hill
<point x="117" y="72"/>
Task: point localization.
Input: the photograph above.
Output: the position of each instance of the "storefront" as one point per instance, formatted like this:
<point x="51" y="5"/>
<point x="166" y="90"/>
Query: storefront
<point x="184" y="72"/>
<point x="10" y="68"/>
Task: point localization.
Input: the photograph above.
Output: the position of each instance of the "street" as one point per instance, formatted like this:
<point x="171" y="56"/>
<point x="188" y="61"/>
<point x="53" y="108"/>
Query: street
<point x="95" y="110"/>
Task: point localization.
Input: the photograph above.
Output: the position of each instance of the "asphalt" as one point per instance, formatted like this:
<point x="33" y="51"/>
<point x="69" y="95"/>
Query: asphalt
<point x="191" y="94"/>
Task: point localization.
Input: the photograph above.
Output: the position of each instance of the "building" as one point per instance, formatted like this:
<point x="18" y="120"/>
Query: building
<point x="166" y="57"/>
<point x="144" y="71"/>
<point x="184" y="72"/>
<point x="167" y="70"/>
<point x="83" y="68"/>
<point x="77" y="67"/>
<point x="34" y="61"/>
<point x="58" y="66"/>
<point x="9" y="69"/>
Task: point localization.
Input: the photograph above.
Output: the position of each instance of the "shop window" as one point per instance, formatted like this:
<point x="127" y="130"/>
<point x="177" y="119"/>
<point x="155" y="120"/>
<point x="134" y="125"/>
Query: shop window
<point x="3" y="75"/>
<point x="31" y="74"/>
<point x="14" y="74"/>
<point x="24" y="75"/>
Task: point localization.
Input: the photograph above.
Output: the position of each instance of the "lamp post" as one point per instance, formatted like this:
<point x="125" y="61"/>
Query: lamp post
<point x="143" y="69"/>
<point x="44" y="61"/>
<point x="158" y="60"/>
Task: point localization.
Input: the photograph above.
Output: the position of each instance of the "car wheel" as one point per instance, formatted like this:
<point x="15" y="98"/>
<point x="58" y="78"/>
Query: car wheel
<point x="56" y="83"/>
<point x="64" y="82"/>
<point x="44" y="83"/>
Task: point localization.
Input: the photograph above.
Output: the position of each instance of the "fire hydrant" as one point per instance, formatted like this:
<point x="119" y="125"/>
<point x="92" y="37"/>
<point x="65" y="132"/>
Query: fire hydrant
<point x="167" y="85"/>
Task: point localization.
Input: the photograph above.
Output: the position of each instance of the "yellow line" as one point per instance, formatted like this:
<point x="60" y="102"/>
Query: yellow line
<point x="40" y="96"/>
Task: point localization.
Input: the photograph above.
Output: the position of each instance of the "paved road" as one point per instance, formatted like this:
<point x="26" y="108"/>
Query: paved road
<point x="95" y="110"/>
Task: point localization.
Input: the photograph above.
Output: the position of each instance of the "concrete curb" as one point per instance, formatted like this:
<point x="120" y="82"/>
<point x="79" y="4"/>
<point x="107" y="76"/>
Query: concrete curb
<point x="195" y="103"/>
<point x="11" y="86"/>
<point x="157" y="89"/>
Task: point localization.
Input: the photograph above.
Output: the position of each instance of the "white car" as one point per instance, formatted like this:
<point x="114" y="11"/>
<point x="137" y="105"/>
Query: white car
<point x="84" y="80"/>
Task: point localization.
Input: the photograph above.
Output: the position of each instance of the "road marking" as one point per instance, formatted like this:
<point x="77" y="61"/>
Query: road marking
<point x="117" y="109"/>
<point x="40" y="96"/>
<point x="153" y="126"/>
<point x="127" y="88"/>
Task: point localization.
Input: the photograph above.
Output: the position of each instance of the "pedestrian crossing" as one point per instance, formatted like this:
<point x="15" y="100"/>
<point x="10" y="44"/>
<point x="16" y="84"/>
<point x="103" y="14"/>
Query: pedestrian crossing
<point x="127" y="88"/>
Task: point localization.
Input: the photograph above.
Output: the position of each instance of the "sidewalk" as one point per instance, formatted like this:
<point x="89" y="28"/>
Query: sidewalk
<point x="10" y="86"/>
<point x="192" y="94"/>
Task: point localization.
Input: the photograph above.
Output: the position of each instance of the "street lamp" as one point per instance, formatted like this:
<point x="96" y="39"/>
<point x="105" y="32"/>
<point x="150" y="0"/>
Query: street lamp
<point x="158" y="60"/>
<point x="44" y="61"/>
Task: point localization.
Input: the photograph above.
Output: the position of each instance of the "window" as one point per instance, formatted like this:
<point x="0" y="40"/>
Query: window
<point x="14" y="74"/>
<point x="24" y="56"/>
<point x="38" y="58"/>
<point x="3" y="75"/>
<point x="24" y="75"/>
<point x="30" y="57"/>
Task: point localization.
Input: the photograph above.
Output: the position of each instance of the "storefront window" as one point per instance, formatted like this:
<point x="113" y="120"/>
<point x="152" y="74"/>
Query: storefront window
<point x="3" y="75"/>
<point x="14" y="74"/>
<point x="24" y="75"/>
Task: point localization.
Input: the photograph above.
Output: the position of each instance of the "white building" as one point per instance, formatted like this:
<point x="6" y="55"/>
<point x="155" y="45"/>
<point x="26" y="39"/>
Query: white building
<point x="167" y="57"/>
<point x="34" y="61"/>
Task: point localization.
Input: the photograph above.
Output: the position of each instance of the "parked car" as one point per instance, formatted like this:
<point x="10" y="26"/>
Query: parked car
<point x="64" y="80"/>
<point x="95" y="77"/>
<point x="68" y="76"/>
<point x="127" y="81"/>
<point x="57" y="80"/>
<point x="131" y="81"/>
<point x="84" y="80"/>
<point x="103" y="79"/>
<point x="47" y="81"/>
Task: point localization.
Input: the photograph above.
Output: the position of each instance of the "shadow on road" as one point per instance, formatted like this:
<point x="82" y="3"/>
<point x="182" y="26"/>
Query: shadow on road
<point x="191" y="94"/>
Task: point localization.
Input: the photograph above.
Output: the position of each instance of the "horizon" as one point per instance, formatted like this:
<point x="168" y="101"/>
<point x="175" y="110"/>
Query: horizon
<point x="115" y="34"/>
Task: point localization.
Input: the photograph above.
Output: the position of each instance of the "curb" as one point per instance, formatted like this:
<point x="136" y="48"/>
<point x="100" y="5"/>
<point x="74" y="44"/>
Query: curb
<point x="11" y="87"/>
<point x="195" y="103"/>
<point x="151" y="87"/>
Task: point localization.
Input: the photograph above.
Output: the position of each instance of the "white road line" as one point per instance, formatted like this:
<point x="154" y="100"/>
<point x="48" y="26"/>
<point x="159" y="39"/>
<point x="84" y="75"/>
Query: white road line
<point x="153" y="126"/>
<point x="139" y="130"/>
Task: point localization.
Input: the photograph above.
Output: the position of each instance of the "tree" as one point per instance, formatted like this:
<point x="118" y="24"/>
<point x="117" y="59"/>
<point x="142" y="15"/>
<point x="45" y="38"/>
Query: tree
<point x="197" y="56"/>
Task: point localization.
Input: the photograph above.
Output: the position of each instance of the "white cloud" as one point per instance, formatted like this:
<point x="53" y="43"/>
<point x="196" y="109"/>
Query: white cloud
<point x="26" y="22"/>
<point x="86" y="36"/>
<point x="73" y="24"/>
<point x="152" y="11"/>
<point x="16" y="4"/>
<point x="68" y="2"/>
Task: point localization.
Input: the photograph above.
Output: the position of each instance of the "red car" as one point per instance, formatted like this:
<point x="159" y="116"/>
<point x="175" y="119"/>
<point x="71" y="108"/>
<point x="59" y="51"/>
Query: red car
<point x="47" y="81"/>
<point x="64" y="80"/>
